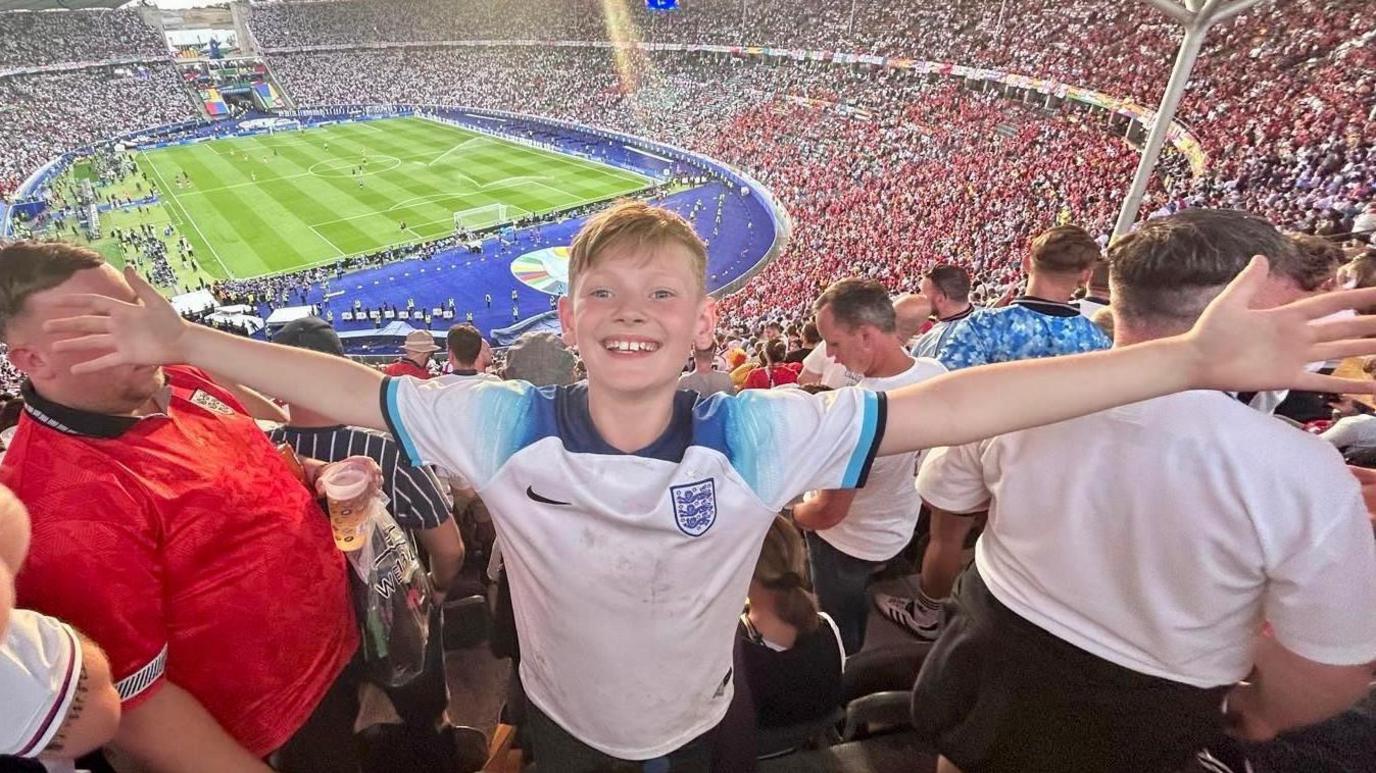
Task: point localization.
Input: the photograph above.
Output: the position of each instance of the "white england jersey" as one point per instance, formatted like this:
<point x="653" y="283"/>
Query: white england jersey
<point x="628" y="571"/>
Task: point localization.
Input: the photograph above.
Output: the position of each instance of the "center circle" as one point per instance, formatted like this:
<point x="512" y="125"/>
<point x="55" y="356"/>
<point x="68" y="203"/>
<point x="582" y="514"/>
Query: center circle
<point x="344" y="167"/>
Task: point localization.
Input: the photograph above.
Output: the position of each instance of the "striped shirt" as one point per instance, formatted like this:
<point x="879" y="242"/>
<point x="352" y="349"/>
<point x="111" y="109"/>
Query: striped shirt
<point x="418" y="499"/>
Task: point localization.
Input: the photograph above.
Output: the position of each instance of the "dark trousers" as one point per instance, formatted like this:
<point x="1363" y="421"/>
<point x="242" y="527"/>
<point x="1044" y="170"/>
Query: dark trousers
<point x="998" y="694"/>
<point x="326" y="743"/>
<point x="839" y="580"/>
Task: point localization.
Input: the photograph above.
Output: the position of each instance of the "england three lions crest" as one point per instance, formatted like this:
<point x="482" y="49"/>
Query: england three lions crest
<point x="695" y="506"/>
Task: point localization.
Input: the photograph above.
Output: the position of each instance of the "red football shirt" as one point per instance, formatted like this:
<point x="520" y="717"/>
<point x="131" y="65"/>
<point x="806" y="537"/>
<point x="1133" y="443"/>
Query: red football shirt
<point x="183" y="545"/>
<point x="405" y="367"/>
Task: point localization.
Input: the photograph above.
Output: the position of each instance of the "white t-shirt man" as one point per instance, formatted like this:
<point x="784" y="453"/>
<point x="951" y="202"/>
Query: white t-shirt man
<point x="884" y="513"/>
<point x="628" y="571"/>
<point x="834" y="374"/>
<point x="40" y="662"/>
<point x="1160" y="535"/>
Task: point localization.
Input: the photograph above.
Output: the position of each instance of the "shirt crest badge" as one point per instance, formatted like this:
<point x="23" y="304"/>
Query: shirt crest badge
<point x="210" y="402"/>
<point x="695" y="506"/>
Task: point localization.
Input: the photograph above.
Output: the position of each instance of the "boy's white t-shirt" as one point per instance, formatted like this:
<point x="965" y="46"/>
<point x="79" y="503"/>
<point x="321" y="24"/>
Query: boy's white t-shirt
<point x="884" y="513"/>
<point x="40" y="666"/>
<point x="628" y="571"/>
<point x="1161" y="535"/>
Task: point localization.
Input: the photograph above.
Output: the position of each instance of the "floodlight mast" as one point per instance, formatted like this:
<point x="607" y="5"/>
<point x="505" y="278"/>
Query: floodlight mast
<point x="1197" y="17"/>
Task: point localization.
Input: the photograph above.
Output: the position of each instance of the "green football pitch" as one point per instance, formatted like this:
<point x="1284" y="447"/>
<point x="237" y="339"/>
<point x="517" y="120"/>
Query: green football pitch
<point x="278" y="202"/>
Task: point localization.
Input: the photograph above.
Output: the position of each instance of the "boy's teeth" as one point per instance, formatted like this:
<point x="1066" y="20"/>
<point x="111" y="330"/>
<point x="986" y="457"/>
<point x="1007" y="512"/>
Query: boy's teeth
<point x="631" y="346"/>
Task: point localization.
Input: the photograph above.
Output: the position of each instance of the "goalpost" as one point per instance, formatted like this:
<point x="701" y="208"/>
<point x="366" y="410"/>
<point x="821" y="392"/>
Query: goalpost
<point x="487" y="216"/>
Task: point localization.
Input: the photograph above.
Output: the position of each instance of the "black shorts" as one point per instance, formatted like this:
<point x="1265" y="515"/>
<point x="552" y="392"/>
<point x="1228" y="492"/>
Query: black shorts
<point x="998" y="693"/>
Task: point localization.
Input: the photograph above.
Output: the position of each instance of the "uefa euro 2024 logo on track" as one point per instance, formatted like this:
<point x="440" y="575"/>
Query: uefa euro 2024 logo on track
<point x="695" y="506"/>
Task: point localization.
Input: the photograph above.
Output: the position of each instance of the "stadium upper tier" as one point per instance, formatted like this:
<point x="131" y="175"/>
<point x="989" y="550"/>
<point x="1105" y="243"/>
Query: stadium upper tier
<point x="57" y="112"/>
<point x="40" y="38"/>
<point x="1277" y="55"/>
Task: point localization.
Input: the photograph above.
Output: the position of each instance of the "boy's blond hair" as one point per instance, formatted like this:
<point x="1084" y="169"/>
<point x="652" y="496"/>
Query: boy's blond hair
<point x="643" y="225"/>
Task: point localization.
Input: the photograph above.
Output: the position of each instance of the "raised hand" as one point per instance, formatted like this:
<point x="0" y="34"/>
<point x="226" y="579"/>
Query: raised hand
<point x="1244" y="349"/>
<point x="115" y="332"/>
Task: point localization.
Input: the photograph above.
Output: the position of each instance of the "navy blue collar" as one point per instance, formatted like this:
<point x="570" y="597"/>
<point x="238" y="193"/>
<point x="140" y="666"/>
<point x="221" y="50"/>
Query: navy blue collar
<point x="1043" y="306"/>
<point x="576" y="429"/>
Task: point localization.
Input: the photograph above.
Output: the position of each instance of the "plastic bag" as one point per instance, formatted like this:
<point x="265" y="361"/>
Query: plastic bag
<point x="392" y="593"/>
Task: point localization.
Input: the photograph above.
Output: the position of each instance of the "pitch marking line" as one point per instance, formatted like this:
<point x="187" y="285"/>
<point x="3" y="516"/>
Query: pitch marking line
<point x="163" y="188"/>
<point x="325" y="239"/>
<point x="464" y="143"/>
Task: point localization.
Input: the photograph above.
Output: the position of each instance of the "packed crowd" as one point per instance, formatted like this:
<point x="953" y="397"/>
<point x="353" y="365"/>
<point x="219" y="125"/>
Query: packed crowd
<point x="1124" y="49"/>
<point x="43" y="116"/>
<point x="828" y="166"/>
<point x="34" y="38"/>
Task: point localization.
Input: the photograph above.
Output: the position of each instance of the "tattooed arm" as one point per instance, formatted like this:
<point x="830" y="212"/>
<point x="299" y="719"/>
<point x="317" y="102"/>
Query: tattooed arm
<point x="93" y="715"/>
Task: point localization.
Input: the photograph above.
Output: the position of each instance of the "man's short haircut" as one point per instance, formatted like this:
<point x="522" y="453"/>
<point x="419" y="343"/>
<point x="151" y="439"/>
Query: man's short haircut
<point x="1318" y="263"/>
<point x="855" y="302"/>
<point x="952" y="280"/>
<point x="774" y="325"/>
<point x="1168" y="269"/>
<point x="1065" y="249"/>
<point x="641" y="225"/>
<point x="29" y="267"/>
<point x="811" y="335"/>
<point x="464" y="342"/>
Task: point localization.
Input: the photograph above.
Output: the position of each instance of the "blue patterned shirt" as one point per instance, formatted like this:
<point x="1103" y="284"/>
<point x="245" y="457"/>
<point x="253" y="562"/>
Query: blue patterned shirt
<point x="1025" y="329"/>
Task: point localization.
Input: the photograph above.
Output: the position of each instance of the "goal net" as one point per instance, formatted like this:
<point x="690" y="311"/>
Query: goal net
<point x="487" y="216"/>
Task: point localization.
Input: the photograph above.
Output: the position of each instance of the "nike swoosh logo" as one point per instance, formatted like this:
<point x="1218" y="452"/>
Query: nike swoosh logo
<point x="530" y="492"/>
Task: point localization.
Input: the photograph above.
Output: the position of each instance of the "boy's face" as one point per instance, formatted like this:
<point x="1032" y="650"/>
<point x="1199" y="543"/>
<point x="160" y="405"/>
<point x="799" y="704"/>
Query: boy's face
<point x="635" y="314"/>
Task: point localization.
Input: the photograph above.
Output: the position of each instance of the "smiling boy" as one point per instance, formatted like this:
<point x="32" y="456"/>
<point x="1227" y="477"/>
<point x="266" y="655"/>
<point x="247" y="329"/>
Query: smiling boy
<point x="631" y="513"/>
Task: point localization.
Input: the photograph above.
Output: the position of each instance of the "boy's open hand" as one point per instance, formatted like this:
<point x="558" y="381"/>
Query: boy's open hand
<point x="1243" y="349"/>
<point x="146" y="332"/>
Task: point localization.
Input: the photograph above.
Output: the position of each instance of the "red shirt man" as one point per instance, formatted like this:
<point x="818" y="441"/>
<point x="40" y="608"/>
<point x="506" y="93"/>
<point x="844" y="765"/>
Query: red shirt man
<point x="183" y="544"/>
<point x="416" y="360"/>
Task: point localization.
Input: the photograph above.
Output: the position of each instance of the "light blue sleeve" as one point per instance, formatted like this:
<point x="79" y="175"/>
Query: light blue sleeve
<point x="785" y="442"/>
<point x="468" y="427"/>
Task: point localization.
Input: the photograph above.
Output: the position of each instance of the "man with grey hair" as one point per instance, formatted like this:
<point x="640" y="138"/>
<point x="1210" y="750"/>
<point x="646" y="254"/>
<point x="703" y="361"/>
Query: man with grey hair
<point x="853" y="531"/>
<point x="1132" y="555"/>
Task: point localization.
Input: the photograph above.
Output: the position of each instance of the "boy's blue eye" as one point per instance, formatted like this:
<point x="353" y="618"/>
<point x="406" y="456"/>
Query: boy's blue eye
<point x="662" y="294"/>
<point x="601" y="293"/>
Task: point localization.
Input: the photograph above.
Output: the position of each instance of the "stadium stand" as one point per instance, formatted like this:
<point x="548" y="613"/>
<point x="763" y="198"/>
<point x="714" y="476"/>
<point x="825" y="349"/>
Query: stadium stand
<point x="68" y="110"/>
<point x="34" y="39"/>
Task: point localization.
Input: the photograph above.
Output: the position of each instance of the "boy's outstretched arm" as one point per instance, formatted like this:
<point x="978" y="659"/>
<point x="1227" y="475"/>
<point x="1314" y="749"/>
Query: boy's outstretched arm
<point x="150" y="332"/>
<point x="1232" y="347"/>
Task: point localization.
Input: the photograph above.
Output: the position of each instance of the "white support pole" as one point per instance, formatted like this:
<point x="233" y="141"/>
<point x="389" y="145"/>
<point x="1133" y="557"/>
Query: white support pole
<point x="1156" y="139"/>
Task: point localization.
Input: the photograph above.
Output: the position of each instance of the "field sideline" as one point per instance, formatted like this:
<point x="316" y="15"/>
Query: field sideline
<point x="270" y="203"/>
